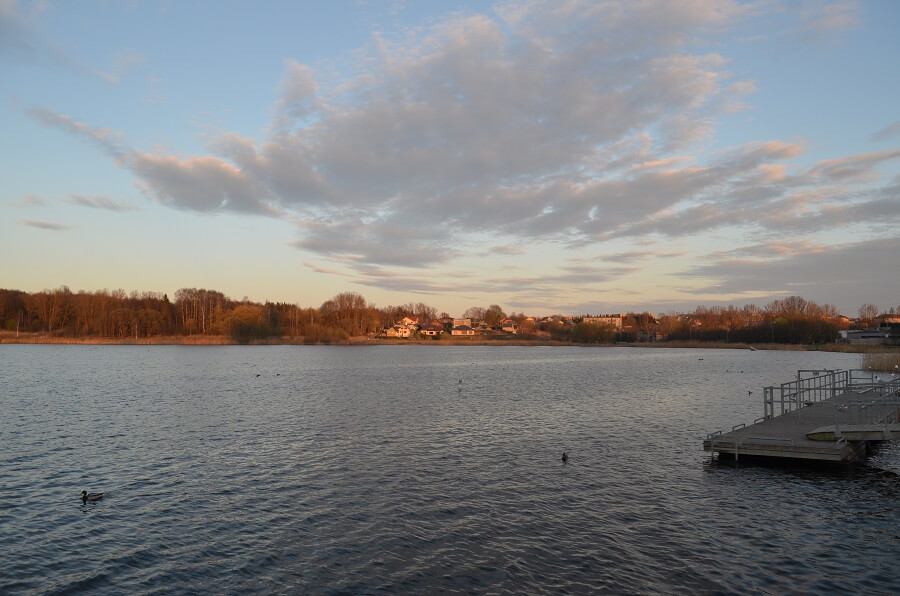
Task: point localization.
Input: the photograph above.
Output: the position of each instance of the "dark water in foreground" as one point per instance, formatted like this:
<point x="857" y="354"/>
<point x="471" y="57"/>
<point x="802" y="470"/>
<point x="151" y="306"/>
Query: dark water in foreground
<point x="361" y="470"/>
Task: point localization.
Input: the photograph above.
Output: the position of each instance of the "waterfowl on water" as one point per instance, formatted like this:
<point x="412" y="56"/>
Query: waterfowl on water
<point x="86" y="496"/>
<point x="565" y="457"/>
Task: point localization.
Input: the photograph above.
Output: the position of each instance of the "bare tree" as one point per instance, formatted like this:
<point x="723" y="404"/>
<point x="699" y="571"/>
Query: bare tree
<point x="347" y="311"/>
<point x="527" y="325"/>
<point x="669" y="323"/>
<point x="424" y="312"/>
<point x="476" y="313"/>
<point x="868" y="313"/>
<point x="493" y="315"/>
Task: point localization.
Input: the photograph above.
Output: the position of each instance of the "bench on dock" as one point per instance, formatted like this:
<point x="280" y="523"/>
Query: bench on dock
<point x="856" y="432"/>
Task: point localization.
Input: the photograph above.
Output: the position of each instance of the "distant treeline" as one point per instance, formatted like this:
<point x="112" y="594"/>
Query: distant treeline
<point x="117" y="314"/>
<point x="793" y="320"/>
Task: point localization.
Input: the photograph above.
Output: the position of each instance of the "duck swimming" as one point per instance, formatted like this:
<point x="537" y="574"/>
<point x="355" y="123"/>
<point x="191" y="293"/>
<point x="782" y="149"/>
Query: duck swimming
<point x="85" y="496"/>
<point x="565" y="457"/>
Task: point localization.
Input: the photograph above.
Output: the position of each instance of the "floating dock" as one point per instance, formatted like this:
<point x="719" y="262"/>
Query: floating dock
<point x="823" y="415"/>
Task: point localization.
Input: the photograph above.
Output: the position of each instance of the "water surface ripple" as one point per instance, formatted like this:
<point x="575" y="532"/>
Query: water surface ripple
<point x="416" y="470"/>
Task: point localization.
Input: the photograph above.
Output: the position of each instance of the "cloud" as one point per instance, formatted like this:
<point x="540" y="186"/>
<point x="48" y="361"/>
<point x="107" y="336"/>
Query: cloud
<point x="410" y="284"/>
<point x="99" y="202"/>
<point x="299" y="99"/>
<point x="105" y="139"/>
<point x="12" y="34"/>
<point x="855" y="168"/>
<point x="467" y="109"/>
<point x="318" y="269"/>
<point x="742" y="188"/>
<point x="377" y="241"/>
<point x="475" y="122"/>
<point x="124" y="63"/>
<point x="567" y="123"/>
<point x="206" y="184"/>
<point x="661" y="163"/>
<point x="574" y="278"/>
<point x="777" y="250"/>
<point x="29" y="201"/>
<point x="19" y="35"/>
<point x="285" y="166"/>
<point x="888" y="132"/>
<point x="829" y="17"/>
<point x="638" y="255"/>
<point x="507" y="249"/>
<point x="45" y="225"/>
<point x="199" y="183"/>
<point x="23" y="39"/>
<point x="155" y="94"/>
<point x="834" y="274"/>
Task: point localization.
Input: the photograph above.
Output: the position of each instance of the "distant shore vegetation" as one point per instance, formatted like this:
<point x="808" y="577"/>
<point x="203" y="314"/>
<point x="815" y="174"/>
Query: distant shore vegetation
<point x="207" y="316"/>
<point x="882" y="361"/>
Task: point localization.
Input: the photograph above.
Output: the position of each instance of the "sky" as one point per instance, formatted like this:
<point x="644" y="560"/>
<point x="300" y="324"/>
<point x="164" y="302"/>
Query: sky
<point x="550" y="157"/>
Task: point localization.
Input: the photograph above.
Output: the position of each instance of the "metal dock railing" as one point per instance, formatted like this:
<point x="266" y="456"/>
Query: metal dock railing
<point x="822" y="414"/>
<point x="812" y="386"/>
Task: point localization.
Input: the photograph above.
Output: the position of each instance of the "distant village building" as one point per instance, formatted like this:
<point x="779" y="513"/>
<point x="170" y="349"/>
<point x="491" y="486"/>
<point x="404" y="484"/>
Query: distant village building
<point x="397" y="331"/>
<point x="891" y="327"/>
<point x="462" y="330"/>
<point x="434" y="328"/>
<point x="410" y="321"/>
<point x="865" y="337"/>
<point x="614" y="320"/>
<point x="509" y="326"/>
<point x="460" y="322"/>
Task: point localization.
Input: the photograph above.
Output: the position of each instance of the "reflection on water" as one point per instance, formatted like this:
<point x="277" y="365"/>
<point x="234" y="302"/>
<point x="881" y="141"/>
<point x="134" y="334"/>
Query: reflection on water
<point x="419" y="469"/>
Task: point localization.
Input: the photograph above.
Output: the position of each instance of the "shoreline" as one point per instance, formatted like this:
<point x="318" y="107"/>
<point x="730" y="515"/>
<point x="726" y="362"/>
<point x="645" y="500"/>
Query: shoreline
<point x="221" y="340"/>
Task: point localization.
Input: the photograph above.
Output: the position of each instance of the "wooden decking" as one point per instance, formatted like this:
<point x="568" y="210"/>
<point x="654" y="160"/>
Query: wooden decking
<point x="835" y="429"/>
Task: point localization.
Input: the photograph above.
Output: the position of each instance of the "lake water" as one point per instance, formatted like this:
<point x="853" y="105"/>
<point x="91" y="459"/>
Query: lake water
<point x="419" y="469"/>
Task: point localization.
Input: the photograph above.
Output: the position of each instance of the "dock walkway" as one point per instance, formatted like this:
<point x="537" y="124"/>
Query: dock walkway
<point x="824" y="415"/>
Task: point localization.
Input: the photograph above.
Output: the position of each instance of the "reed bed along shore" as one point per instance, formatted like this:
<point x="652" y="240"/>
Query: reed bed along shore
<point x="882" y="361"/>
<point x="832" y="347"/>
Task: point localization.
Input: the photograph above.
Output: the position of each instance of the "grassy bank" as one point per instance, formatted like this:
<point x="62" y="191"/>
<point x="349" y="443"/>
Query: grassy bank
<point x="462" y="341"/>
<point x="881" y="356"/>
<point x="187" y="340"/>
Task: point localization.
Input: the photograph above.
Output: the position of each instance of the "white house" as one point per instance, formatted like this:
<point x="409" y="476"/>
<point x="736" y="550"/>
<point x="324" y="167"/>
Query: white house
<point x="462" y="330"/>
